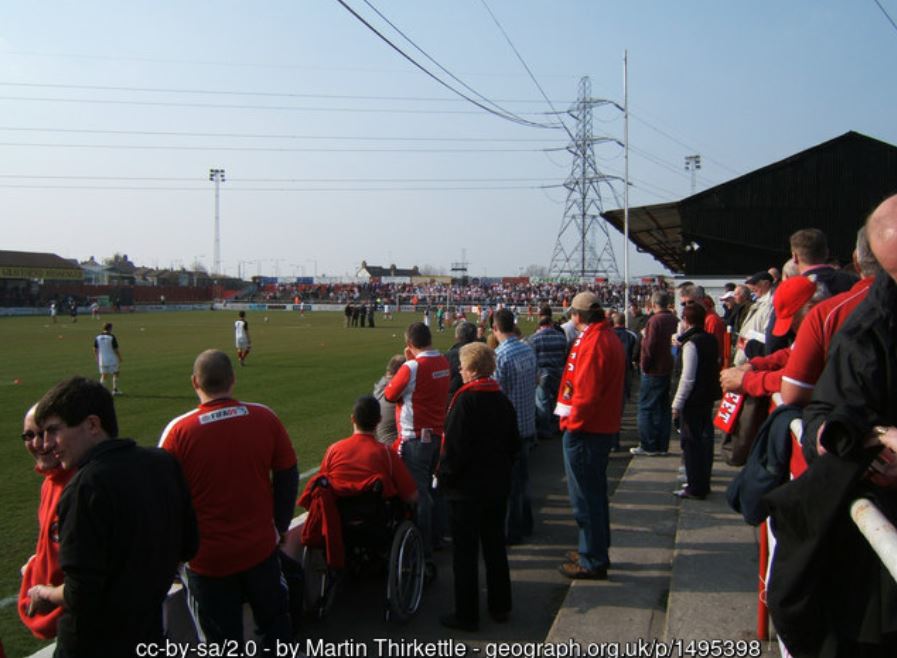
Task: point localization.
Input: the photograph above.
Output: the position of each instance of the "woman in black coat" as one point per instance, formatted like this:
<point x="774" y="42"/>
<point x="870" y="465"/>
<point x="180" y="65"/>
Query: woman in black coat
<point x="474" y="475"/>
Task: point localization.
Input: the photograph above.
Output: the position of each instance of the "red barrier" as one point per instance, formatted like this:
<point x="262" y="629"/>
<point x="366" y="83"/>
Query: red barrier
<point x="763" y="567"/>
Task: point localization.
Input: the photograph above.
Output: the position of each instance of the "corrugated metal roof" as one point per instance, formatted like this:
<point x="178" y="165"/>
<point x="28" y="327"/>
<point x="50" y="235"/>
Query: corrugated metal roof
<point x="743" y="225"/>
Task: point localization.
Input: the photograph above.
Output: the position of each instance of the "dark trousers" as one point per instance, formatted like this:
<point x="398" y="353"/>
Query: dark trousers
<point x="697" y="447"/>
<point x="217" y="603"/>
<point x="520" y="507"/>
<point x="474" y="522"/>
<point x="654" y="412"/>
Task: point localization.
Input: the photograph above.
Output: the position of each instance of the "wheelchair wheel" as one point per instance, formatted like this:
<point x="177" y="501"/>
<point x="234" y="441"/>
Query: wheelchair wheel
<point x="320" y="582"/>
<point x="405" y="580"/>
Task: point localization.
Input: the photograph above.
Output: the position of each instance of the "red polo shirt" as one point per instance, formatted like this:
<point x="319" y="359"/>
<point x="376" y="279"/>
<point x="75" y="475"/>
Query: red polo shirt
<point x="228" y="450"/>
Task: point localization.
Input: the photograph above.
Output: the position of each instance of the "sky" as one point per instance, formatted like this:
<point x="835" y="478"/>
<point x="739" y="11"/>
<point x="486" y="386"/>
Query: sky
<point x="338" y="149"/>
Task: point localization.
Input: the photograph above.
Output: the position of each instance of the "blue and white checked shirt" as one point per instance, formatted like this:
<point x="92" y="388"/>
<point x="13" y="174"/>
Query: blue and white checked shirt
<point x="515" y="370"/>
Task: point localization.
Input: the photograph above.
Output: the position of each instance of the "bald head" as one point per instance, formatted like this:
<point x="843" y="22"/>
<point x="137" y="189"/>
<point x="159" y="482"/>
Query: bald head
<point x="213" y="373"/>
<point x="881" y="230"/>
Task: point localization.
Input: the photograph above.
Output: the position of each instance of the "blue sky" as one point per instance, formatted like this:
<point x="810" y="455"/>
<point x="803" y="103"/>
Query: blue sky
<point x="337" y="149"/>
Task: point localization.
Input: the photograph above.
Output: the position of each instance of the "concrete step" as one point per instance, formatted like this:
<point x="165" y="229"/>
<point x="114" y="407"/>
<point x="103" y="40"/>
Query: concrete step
<point x="713" y="586"/>
<point x="631" y="604"/>
<point x="682" y="570"/>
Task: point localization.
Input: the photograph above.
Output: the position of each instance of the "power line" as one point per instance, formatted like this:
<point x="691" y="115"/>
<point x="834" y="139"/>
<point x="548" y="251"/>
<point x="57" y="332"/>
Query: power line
<point x="484" y="188"/>
<point x="660" y="162"/>
<point x="527" y="68"/>
<point x="500" y="109"/>
<point x="502" y="114"/>
<point x="887" y="15"/>
<point x="273" y="180"/>
<point x="232" y="64"/>
<point x="683" y="144"/>
<point x="230" y="106"/>
<point x="228" y="92"/>
<point x="271" y="149"/>
<point x="360" y="138"/>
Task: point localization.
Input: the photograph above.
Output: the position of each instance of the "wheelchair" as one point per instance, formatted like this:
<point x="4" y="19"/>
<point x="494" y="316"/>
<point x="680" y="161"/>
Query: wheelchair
<point x="378" y="535"/>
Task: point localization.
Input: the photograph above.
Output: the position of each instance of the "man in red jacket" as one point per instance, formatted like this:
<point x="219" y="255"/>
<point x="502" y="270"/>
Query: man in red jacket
<point x="590" y="403"/>
<point x="42" y="572"/>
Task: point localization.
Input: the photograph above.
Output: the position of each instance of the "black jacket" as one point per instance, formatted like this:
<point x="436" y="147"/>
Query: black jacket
<point x="125" y="521"/>
<point x="481" y="444"/>
<point x="858" y="388"/>
<point x="829" y="592"/>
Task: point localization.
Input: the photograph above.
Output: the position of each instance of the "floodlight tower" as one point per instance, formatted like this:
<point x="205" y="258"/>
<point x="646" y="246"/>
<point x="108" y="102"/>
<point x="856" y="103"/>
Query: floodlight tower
<point x="459" y="268"/>
<point x="575" y="253"/>
<point x="692" y="164"/>
<point x="217" y="177"/>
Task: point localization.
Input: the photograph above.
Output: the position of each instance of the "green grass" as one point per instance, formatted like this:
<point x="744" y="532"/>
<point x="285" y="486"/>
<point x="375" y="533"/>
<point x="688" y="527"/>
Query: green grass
<point x="309" y="370"/>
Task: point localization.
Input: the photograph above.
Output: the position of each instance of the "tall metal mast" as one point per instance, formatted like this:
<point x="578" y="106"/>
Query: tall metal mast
<point x="217" y="177"/>
<point x="578" y="252"/>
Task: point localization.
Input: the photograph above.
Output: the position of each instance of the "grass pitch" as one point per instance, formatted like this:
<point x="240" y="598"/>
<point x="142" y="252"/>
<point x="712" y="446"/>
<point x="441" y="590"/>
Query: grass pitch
<point x="308" y="369"/>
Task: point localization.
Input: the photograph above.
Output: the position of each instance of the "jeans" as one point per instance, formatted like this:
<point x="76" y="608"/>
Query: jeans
<point x="520" y="509"/>
<point x="654" y="413"/>
<point x="420" y="458"/>
<point x="475" y="523"/>
<point x="585" y="463"/>
<point x="546" y="399"/>
<point x="697" y="448"/>
<point x="217" y="603"/>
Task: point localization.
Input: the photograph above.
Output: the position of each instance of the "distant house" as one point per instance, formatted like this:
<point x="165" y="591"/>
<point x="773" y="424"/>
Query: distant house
<point x="33" y="266"/>
<point x="386" y="274"/>
<point x="121" y="271"/>
<point x="95" y="274"/>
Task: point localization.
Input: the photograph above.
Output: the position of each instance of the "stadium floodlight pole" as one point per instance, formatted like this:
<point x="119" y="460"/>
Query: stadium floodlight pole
<point x="692" y="164"/>
<point x="626" y="187"/>
<point x="217" y="177"/>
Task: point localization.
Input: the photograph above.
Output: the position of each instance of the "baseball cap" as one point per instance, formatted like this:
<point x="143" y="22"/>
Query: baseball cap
<point x="726" y="295"/>
<point x="585" y="301"/>
<point x="757" y="277"/>
<point x="790" y="297"/>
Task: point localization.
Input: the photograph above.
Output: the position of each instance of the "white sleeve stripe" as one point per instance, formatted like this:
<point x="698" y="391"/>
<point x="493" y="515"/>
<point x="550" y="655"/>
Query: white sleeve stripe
<point x="171" y="425"/>
<point x="799" y="383"/>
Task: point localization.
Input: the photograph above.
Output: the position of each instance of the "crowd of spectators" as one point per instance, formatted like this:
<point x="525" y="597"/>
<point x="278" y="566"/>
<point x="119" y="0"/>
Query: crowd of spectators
<point x="523" y="294"/>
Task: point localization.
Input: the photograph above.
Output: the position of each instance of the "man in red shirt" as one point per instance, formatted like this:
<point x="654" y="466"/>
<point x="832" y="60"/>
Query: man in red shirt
<point x="42" y="572"/>
<point x="810" y="349"/>
<point x="590" y="403"/>
<point x="241" y="469"/>
<point x="355" y="463"/>
<point x="420" y="392"/>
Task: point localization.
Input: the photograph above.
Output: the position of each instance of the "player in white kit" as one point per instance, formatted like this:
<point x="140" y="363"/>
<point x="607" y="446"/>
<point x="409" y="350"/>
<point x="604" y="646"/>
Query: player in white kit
<point x="241" y="337"/>
<point x="105" y="347"/>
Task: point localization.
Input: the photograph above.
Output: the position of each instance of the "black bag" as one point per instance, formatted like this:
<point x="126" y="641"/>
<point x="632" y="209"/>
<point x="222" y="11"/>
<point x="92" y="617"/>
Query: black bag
<point x="295" y="578"/>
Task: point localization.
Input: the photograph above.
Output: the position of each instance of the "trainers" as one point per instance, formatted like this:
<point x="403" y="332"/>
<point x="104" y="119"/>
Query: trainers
<point x="685" y="493"/>
<point x="575" y="571"/>
<point x="638" y="450"/>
